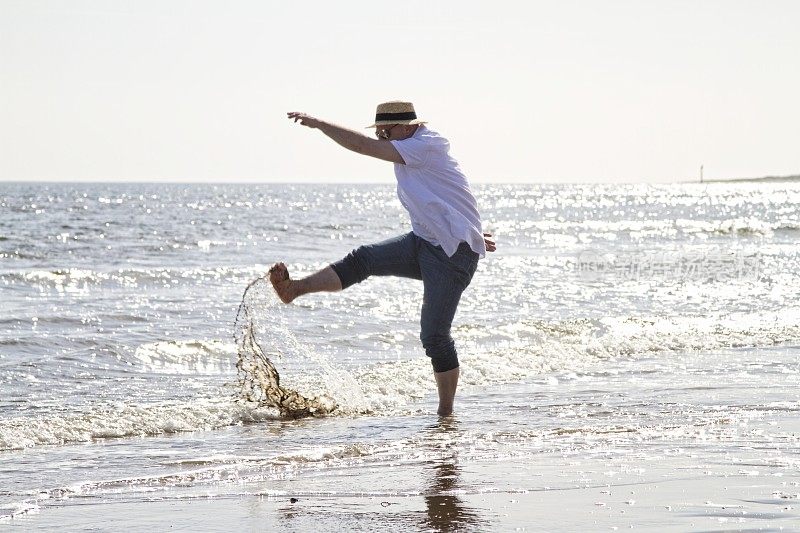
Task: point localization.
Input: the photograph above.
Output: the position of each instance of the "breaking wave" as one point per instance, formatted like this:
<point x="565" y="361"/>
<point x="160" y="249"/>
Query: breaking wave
<point x="281" y="377"/>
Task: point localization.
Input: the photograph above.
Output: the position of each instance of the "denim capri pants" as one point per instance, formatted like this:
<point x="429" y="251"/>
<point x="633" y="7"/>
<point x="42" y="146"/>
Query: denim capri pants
<point x="444" y="279"/>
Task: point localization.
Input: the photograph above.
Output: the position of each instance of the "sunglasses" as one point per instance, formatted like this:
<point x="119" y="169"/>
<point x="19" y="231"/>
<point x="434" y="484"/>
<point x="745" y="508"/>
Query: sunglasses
<point x="385" y="134"/>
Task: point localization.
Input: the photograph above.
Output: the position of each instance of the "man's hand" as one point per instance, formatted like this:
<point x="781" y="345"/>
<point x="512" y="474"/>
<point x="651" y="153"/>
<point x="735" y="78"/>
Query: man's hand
<point x="490" y="246"/>
<point x="305" y="120"/>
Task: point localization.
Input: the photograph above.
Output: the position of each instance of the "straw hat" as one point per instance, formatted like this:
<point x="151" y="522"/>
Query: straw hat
<point x="395" y="112"/>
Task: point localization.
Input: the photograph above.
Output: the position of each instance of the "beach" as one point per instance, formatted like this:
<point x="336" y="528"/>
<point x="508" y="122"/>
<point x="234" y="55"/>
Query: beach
<point x="629" y="360"/>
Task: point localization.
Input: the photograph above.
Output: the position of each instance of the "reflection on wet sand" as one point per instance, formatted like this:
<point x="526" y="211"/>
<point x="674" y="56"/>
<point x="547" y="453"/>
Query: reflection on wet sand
<point x="381" y="505"/>
<point x="446" y="511"/>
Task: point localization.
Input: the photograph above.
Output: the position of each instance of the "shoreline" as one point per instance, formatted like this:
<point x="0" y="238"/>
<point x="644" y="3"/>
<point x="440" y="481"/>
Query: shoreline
<point x="551" y="492"/>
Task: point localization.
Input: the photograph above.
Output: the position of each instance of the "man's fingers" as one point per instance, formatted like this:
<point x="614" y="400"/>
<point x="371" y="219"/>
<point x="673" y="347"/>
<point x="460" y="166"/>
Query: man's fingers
<point x="490" y="244"/>
<point x="303" y="118"/>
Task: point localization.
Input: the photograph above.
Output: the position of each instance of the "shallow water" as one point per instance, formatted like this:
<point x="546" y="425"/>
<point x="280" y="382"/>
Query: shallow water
<point x="634" y="326"/>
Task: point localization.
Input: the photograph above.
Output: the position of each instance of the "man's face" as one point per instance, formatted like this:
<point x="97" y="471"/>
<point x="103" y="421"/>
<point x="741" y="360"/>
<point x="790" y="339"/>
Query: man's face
<point x="394" y="132"/>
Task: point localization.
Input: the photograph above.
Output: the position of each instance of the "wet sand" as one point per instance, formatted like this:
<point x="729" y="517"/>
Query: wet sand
<point x="678" y="485"/>
<point x="552" y="493"/>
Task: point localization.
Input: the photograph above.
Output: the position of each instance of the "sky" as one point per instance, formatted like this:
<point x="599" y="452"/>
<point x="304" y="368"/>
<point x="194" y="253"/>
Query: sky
<point x="528" y="91"/>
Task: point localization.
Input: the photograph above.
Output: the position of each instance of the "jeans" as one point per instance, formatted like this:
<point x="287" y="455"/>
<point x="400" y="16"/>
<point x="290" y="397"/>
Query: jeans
<point x="444" y="279"/>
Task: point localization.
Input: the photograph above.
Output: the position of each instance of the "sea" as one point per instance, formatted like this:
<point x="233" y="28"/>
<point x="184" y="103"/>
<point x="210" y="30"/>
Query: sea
<point x="635" y="325"/>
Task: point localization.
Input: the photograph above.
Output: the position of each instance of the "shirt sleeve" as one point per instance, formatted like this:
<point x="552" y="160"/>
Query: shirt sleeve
<point x="414" y="152"/>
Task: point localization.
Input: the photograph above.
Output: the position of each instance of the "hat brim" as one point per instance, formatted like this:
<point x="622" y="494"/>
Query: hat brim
<point x="405" y="122"/>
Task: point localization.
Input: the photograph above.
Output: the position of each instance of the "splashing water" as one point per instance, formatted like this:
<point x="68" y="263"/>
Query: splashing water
<point x="263" y="337"/>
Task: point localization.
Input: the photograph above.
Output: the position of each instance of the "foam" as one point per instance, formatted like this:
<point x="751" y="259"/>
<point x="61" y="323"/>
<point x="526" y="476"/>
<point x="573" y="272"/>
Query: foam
<point x="18" y="509"/>
<point x="530" y="348"/>
<point x="527" y="349"/>
<point x="127" y="421"/>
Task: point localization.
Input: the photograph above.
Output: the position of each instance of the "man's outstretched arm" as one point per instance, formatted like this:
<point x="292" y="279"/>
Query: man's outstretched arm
<point x="352" y="140"/>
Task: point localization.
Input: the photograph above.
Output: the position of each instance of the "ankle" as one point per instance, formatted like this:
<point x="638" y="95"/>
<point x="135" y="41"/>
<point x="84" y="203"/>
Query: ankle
<point x="444" y="411"/>
<point x="298" y="287"/>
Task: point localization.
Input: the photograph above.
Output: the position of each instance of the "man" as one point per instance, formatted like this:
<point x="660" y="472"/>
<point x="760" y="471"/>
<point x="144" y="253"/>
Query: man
<point x="442" y="250"/>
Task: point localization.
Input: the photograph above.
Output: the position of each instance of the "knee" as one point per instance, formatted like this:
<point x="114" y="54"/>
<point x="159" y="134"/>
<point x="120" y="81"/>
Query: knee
<point x="440" y="347"/>
<point x="355" y="267"/>
<point x="364" y="260"/>
<point x="435" y="340"/>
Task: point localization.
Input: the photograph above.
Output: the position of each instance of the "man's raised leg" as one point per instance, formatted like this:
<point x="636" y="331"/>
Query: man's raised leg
<point x="392" y="257"/>
<point x="325" y="280"/>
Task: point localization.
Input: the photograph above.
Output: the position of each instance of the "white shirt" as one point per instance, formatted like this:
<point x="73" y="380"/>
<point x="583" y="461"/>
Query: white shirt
<point x="436" y="193"/>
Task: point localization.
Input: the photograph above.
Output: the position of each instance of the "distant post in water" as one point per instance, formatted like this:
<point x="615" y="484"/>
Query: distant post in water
<point x="701" y="173"/>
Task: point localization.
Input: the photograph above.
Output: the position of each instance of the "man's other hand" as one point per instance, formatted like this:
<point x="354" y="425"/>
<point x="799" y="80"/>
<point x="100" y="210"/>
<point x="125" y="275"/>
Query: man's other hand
<point x="490" y="245"/>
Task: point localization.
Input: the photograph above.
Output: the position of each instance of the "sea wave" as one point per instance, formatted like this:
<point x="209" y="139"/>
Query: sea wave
<point x="187" y="357"/>
<point x="569" y="342"/>
<point x="526" y="349"/>
<point x="517" y="352"/>
<point x="69" y="279"/>
<point x="664" y="227"/>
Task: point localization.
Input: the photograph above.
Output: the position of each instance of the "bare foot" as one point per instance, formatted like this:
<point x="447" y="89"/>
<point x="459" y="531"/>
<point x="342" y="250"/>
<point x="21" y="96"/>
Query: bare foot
<point x="279" y="277"/>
